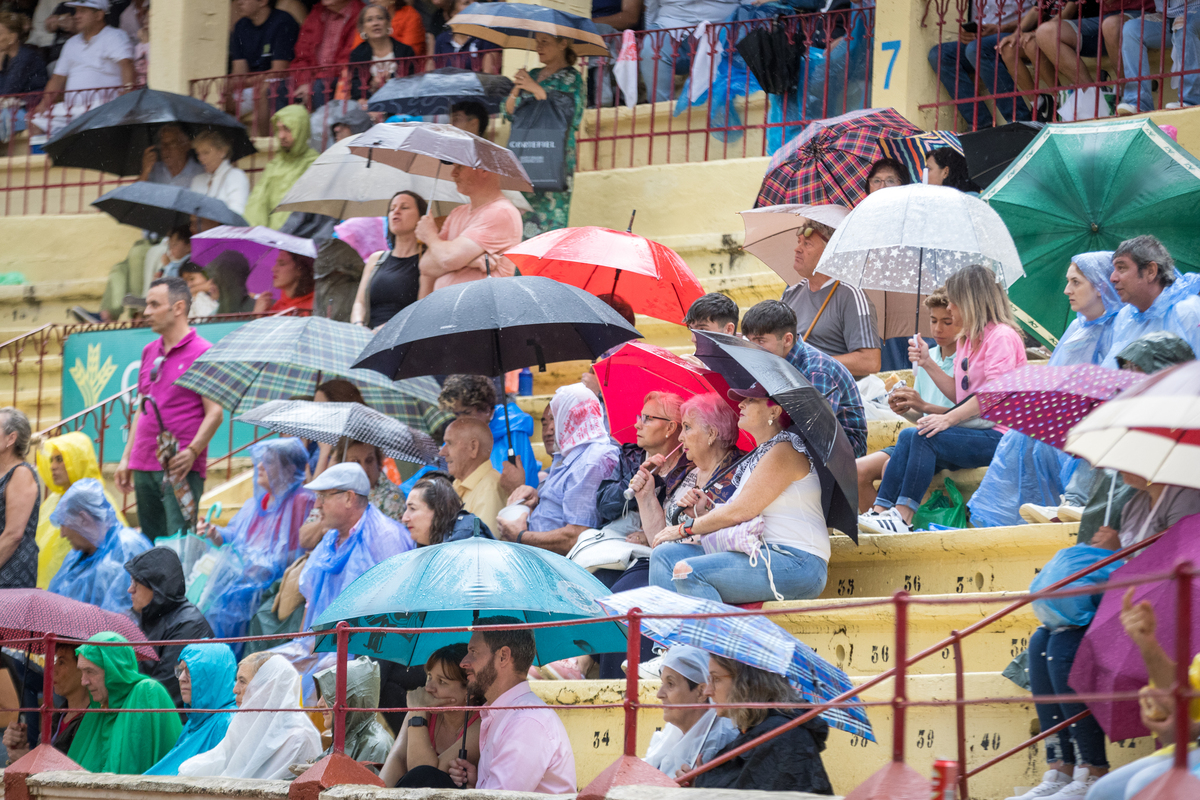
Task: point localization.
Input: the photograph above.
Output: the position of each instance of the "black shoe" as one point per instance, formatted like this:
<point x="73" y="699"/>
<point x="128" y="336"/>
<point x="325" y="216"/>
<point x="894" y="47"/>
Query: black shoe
<point x="1047" y="109"/>
<point x="83" y="315"/>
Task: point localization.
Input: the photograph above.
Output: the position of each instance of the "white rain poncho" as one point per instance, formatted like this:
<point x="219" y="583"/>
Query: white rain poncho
<point x="670" y="749"/>
<point x="262" y="744"/>
<point x="98" y="578"/>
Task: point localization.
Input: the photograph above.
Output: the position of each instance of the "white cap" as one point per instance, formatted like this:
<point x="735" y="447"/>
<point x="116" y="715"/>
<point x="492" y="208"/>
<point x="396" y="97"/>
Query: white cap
<point x="690" y="662"/>
<point x="99" y="5"/>
<point x="342" y="477"/>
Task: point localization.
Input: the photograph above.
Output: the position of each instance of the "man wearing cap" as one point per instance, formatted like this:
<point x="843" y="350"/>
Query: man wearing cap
<point x="836" y="318"/>
<point x="97" y="57"/>
<point x="691" y="736"/>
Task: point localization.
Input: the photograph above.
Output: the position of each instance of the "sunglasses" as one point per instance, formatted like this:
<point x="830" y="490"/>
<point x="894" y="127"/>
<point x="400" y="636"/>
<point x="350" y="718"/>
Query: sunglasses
<point x="966" y="381"/>
<point x="808" y="230"/>
<point x="156" y="368"/>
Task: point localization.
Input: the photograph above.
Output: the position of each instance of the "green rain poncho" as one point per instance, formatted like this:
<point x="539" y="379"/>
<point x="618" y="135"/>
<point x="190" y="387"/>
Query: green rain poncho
<point x="283" y="170"/>
<point x="127" y="744"/>
<point x="366" y="738"/>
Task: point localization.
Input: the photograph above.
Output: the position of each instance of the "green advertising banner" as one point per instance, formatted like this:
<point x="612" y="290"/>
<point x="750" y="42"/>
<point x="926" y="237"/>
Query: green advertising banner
<point x="100" y="364"/>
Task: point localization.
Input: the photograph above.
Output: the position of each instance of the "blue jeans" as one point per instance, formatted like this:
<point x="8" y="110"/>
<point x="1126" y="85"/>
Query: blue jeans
<point x="915" y="461"/>
<point x="729" y="578"/>
<point x="1050" y="658"/>
<point x="658" y="71"/>
<point x="956" y="70"/>
<point x="1128" y="781"/>
<point x="1137" y="40"/>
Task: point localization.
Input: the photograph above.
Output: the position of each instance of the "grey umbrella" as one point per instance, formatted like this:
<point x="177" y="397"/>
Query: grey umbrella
<point x="425" y="148"/>
<point x="162" y="208"/>
<point x="332" y="422"/>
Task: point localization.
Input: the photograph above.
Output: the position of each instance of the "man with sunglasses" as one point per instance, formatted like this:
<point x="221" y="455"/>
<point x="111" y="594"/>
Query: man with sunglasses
<point x="836" y="318"/>
<point x="191" y="418"/>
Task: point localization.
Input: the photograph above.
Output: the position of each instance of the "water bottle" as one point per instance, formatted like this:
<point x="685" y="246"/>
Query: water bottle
<point x="525" y="383"/>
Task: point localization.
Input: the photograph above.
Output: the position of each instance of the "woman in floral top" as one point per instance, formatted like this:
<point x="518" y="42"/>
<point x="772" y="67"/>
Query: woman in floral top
<point x="558" y="74"/>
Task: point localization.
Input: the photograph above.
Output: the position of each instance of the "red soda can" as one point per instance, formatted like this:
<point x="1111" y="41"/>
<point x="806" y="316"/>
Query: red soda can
<point x="944" y="783"/>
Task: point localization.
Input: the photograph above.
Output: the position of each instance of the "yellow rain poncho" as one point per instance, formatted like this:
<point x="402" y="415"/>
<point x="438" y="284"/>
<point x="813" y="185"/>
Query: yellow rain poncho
<point x="79" y="456"/>
<point x="282" y="171"/>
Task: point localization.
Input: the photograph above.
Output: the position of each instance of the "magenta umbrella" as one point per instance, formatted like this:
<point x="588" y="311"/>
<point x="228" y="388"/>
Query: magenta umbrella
<point x="1107" y="660"/>
<point x="260" y="246"/>
<point x="1046" y="402"/>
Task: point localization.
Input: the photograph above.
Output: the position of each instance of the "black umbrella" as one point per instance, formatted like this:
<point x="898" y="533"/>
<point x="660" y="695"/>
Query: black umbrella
<point x="489" y="327"/>
<point x="161" y="208"/>
<point x="434" y="92"/>
<point x="989" y="151"/>
<point x="114" y="136"/>
<point x="773" y="57"/>
<point x="742" y="364"/>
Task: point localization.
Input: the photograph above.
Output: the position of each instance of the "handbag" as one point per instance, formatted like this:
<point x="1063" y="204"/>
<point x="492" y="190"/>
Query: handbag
<point x="745" y="537"/>
<point x="540" y="129"/>
<point x="606" y="548"/>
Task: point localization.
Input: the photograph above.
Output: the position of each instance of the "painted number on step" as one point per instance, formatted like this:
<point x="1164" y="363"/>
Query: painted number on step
<point x="1019" y="646"/>
<point x="990" y="741"/>
<point x="880" y="654"/>
<point x="715" y="268"/>
<point x="858" y="741"/>
<point x="959" y="586"/>
<point x="599" y="739"/>
<point x="912" y="583"/>
<point x="845" y="587"/>
<point x="925" y="739"/>
<point x="893" y="46"/>
<point x="945" y="653"/>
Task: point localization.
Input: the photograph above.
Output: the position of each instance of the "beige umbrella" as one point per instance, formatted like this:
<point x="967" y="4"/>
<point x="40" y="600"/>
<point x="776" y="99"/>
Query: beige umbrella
<point x="430" y="149"/>
<point x="771" y="233"/>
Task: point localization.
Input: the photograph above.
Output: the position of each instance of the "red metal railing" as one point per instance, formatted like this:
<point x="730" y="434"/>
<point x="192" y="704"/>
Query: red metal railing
<point x="1040" y="67"/>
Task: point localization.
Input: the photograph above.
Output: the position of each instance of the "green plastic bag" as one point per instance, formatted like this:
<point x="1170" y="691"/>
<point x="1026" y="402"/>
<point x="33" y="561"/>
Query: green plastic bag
<point x="945" y="508"/>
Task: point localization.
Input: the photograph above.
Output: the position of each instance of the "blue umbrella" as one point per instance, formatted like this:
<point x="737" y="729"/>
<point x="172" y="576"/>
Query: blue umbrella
<point x="751" y="640"/>
<point x="514" y="25"/>
<point x="436" y="91"/>
<point x="456" y="583"/>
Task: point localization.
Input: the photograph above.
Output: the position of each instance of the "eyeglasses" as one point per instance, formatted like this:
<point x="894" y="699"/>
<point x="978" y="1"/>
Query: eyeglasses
<point x="156" y="367"/>
<point x="645" y="418"/>
<point x="180" y="670"/>
<point x="328" y="493"/>
<point x="966" y="381"/>
<point x="879" y="183"/>
<point x="807" y="232"/>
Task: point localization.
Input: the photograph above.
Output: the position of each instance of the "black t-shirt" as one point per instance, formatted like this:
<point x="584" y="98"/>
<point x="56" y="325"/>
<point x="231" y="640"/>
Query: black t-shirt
<point x="394" y="287"/>
<point x="259" y="45"/>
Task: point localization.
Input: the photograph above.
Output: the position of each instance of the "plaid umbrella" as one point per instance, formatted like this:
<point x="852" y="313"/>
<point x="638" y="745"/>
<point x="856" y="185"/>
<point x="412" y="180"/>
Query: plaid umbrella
<point x="751" y="640"/>
<point x="829" y="161"/>
<point x="27" y="613"/>
<point x="331" y="422"/>
<point x="278" y="357"/>
<point x="165" y="447"/>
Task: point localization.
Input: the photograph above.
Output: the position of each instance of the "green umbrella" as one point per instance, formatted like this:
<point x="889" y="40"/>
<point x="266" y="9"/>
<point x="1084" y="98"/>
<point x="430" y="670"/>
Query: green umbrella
<point x="1084" y="187"/>
<point x="279" y="357"/>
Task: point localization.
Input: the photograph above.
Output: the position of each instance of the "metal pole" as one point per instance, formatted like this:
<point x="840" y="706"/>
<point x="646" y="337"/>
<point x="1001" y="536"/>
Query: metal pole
<point x="633" y="650"/>
<point x="47" y="688"/>
<point x="960" y="714"/>
<point x="339" y="704"/>
<point x="899" y="698"/>
<point x="1183" y="631"/>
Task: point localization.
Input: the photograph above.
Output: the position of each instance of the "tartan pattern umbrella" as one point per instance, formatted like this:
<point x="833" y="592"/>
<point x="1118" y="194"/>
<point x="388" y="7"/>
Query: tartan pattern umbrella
<point x="27" y="613"/>
<point x="829" y="161"/>
<point x="751" y="640"/>
<point x="330" y="422"/>
<point x="278" y="357"/>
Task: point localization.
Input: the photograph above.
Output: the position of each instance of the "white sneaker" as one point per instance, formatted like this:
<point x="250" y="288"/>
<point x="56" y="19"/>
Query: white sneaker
<point x="888" y="521"/>
<point x="1070" y="513"/>
<point x="1124" y="110"/>
<point x="1084" y="780"/>
<point x="1173" y="106"/>
<point x="1051" y="783"/>
<point x="1039" y="514"/>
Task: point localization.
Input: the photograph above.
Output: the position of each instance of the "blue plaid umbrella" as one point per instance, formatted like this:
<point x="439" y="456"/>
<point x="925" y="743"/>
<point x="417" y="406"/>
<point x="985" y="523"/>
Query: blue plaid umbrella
<point x="751" y="640"/>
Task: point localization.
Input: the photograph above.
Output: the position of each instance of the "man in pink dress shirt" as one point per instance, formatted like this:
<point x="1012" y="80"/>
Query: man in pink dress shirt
<point x="522" y="750"/>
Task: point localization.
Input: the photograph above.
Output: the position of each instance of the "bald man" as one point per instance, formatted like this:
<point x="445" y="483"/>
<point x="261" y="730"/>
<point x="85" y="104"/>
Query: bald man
<point x="468" y="450"/>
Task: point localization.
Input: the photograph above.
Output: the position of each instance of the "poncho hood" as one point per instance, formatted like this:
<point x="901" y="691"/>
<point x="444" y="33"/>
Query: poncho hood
<point x="159" y="569"/>
<point x="1155" y="351"/>
<point x="366" y="739"/>
<point x="213" y="670"/>
<point x="296" y="120"/>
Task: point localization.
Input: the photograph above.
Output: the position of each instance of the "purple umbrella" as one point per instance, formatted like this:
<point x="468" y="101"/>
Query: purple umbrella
<point x="259" y="245"/>
<point x="1107" y="660"/>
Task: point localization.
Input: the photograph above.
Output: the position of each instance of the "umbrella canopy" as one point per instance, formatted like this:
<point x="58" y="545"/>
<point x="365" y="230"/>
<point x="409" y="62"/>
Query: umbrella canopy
<point x="751" y="640"/>
<point x="912" y="238"/>
<point x="28" y="613"/>
<point x="425" y="148"/>
<point x="260" y="245"/>
<point x="1151" y="430"/>
<point x="434" y="92"/>
<point x="989" y="151"/>
<point x="330" y="422"/>
<point x="771" y="233"/>
<point x="1107" y="661"/>
<point x="1089" y="186"/>
<point x="475" y="578"/>
<point x="636" y="369"/>
<point x="277" y="357"/>
<point x="112" y="137"/>
<point x="514" y="25"/>
<point x="1046" y="402"/>
<point x="651" y="277"/>
<point x="162" y="208"/>
<point x="742" y="364"/>
<point x="829" y="161"/>
<point x="342" y="185"/>
<point x="494" y="325"/>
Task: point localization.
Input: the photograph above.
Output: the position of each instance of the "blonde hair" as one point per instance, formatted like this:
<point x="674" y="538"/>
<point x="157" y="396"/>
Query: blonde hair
<point x="981" y="301"/>
<point x="213" y="139"/>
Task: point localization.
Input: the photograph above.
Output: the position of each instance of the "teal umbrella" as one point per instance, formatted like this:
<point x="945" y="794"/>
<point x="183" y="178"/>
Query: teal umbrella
<point x="456" y="583"/>
<point x="1084" y="187"/>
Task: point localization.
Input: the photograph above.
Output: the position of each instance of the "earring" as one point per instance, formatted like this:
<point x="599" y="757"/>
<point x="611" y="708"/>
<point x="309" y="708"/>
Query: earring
<point x="711" y="440"/>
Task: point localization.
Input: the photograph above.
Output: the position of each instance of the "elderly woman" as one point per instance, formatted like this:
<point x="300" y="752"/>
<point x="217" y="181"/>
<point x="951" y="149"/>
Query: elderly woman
<point x="207" y="672"/>
<point x="690" y="736"/>
<point x="221" y="179"/>
<point x="790" y="762"/>
<point x="20" y="497"/>
<point x="261" y="744"/>
<point x="434" y="513"/>
<point x="777" y="491"/>
<point x="366" y="738"/>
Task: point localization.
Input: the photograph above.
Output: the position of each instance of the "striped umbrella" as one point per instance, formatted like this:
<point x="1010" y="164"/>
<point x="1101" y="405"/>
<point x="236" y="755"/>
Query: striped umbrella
<point x="513" y="25"/>
<point x="911" y="150"/>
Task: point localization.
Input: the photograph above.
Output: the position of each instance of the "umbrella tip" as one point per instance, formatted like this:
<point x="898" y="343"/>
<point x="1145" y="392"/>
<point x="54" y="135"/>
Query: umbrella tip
<point x="631" y="216"/>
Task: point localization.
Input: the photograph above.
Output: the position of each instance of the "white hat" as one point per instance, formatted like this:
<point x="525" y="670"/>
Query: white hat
<point x="690" y="662"/>
<point x="342" y="477"/>
<point x="99" y="5"/>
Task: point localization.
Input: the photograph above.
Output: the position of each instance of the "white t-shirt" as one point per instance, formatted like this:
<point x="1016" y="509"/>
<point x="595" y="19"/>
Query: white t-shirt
<point x="94" y="64"/>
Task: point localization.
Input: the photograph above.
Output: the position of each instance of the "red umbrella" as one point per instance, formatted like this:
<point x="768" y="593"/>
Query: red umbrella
<point x="32" y="613"/>
<point x="649" y="276"/>
<point x="637" y="369"/>
<point x="1046" y="402"/>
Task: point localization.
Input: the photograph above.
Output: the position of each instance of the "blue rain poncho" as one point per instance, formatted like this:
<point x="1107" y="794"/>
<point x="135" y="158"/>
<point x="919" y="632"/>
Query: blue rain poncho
<point x="1176" y="310"/>
<point x="261" y="540"/>
<point x="1024" y="470"/>
<point x="98" y="578"/>
<point x="213" y="670"/>
<point x="520" y="425"/>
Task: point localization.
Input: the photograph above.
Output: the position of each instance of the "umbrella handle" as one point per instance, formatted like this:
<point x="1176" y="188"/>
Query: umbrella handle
<point x="213" y="511"/>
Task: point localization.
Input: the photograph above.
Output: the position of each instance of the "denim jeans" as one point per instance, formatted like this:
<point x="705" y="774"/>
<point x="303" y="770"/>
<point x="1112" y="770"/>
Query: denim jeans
<point x="1136" y="40"/>
<point x="956" y="70"/>
<point x="658" y="71"/>
<point x="915" y="461"/>
<point x="1128" y="781"/>
<point x="1050" y="658"/>
<point x="729" y="578"/>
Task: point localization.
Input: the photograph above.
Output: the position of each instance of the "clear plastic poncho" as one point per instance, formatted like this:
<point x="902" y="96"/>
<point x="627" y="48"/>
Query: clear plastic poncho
<point x="1176" y="310"/>
<point x="261" y="540"/>
<point x="366" y="738"/>
<point x="98" y="577"/>
<point x="1024" y="470"/>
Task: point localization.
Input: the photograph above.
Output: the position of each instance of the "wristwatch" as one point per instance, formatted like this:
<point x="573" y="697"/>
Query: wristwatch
<point x="418" y="722"/>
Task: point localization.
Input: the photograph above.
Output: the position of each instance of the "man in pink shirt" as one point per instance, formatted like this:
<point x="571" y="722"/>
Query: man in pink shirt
<point x="473" y="237"/>
<point x="192" y="418"/>
<point x="522" y="750"/>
